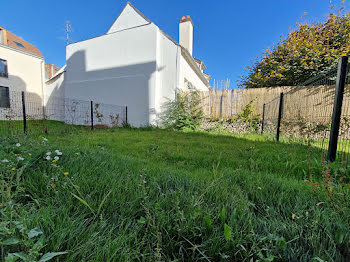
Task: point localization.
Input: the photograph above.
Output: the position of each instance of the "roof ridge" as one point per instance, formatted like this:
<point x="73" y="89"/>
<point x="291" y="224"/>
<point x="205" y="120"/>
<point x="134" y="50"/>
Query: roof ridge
<point x="139" y="12"/>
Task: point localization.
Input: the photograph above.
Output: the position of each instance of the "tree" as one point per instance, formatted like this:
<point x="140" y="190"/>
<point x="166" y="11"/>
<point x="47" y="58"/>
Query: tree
<point x="306" y="52"/>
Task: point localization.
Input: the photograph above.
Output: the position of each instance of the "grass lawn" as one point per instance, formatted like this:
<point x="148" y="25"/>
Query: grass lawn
<point x="156" y="195"/>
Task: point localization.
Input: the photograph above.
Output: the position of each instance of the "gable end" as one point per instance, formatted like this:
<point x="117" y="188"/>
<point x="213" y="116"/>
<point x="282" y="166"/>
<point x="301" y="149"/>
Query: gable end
<point x="130" y="17"/>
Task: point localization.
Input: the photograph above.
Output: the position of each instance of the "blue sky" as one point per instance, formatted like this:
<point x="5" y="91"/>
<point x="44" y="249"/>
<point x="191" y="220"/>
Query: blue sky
<point x="228" y="34"/>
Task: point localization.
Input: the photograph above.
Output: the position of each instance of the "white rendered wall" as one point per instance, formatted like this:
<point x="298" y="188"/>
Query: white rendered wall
<point x="186" y="72"/>
<point x="172" y="70"/>
<point x="25" y="73"/>
<point x="54" y="88"/>
<point x="54" y="95"/>
<point x="117" y="68"/>
<point x="167" y="64"/>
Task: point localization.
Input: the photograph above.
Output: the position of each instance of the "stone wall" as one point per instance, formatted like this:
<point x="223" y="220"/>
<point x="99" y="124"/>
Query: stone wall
<point x="235" y="127"/>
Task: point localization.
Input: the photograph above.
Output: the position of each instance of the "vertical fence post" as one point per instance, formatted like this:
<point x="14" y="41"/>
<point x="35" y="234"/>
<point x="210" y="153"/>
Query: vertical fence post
<point x="92" y="114"/>
<point x="126" y="114"/>
<point x="231" y="100"/>
<point x="280" y="109"/>
<point x="24" y="114"/>
<point x="221" y="106"/>
<point x="263" y="120"/>
<point x="338" y="101"/>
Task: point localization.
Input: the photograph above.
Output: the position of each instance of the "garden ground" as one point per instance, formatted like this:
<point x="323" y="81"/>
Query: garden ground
<point x="157" y="195"/>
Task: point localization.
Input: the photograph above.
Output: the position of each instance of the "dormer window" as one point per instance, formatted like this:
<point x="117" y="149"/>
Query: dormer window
<point x="3" y="68"/>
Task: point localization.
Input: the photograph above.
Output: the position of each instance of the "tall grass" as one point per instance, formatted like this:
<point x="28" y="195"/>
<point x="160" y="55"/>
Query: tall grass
<point x="156" y="195"/>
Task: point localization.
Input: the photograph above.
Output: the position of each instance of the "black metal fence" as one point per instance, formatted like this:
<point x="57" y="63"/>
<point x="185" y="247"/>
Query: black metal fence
<point x="26" y="112"/>
<point x="317" y="110"/>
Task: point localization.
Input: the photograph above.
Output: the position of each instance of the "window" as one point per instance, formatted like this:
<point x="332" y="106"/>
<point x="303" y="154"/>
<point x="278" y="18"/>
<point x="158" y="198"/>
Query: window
<point x="4" y="97"/>
<point x="19" y="44"/>
<point x="3" y="68"/>
<point x="1" y="37"/>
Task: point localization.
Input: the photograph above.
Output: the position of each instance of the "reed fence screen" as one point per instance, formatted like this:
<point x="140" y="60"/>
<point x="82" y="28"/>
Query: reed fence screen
<point x="226" y="104"/>
<point x="307" y="112"/>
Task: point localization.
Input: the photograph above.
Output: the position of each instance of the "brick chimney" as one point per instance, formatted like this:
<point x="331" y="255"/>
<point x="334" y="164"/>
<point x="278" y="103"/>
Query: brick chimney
<point x="52" y="69"/>
<point x="186" y="33"/>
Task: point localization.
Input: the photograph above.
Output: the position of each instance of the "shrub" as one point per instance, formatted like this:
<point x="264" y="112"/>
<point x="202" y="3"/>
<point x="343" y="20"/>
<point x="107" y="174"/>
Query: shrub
<point x="185" y="112"/>
<point x="246" y="114"/>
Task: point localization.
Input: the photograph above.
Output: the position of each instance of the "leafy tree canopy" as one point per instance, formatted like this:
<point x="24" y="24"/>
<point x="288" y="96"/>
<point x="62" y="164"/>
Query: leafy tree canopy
<point x="306" y="52"/>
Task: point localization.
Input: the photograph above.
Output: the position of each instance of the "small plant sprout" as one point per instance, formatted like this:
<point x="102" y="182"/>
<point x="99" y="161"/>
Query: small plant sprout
<point x="18" y="145"/>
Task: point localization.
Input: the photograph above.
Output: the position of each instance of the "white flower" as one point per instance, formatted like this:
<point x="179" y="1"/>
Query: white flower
<point x="48" y="158"/>
<point x="20" y="158"/>
<point x="58" y="152"/>
<point x="48" y="153"/>
<point x="5" y="161"/>
<point x="44" y="139"/>
<point x="56" y="158"/>
<point x="18" y="145"/>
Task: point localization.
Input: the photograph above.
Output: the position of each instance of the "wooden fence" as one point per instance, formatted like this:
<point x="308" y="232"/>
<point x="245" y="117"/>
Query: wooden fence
<point x="309" y="102"/>
<point x="229" y="103"/>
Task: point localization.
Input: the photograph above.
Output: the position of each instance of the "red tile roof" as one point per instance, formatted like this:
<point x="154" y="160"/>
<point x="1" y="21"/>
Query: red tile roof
<point x="12" y="40"/>
<point x="51" y="70"/>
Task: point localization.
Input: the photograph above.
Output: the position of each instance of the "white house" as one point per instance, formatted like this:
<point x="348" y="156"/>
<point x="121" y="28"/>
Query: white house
<point x="134" y="64"/>
<point x="21" y="69"/>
